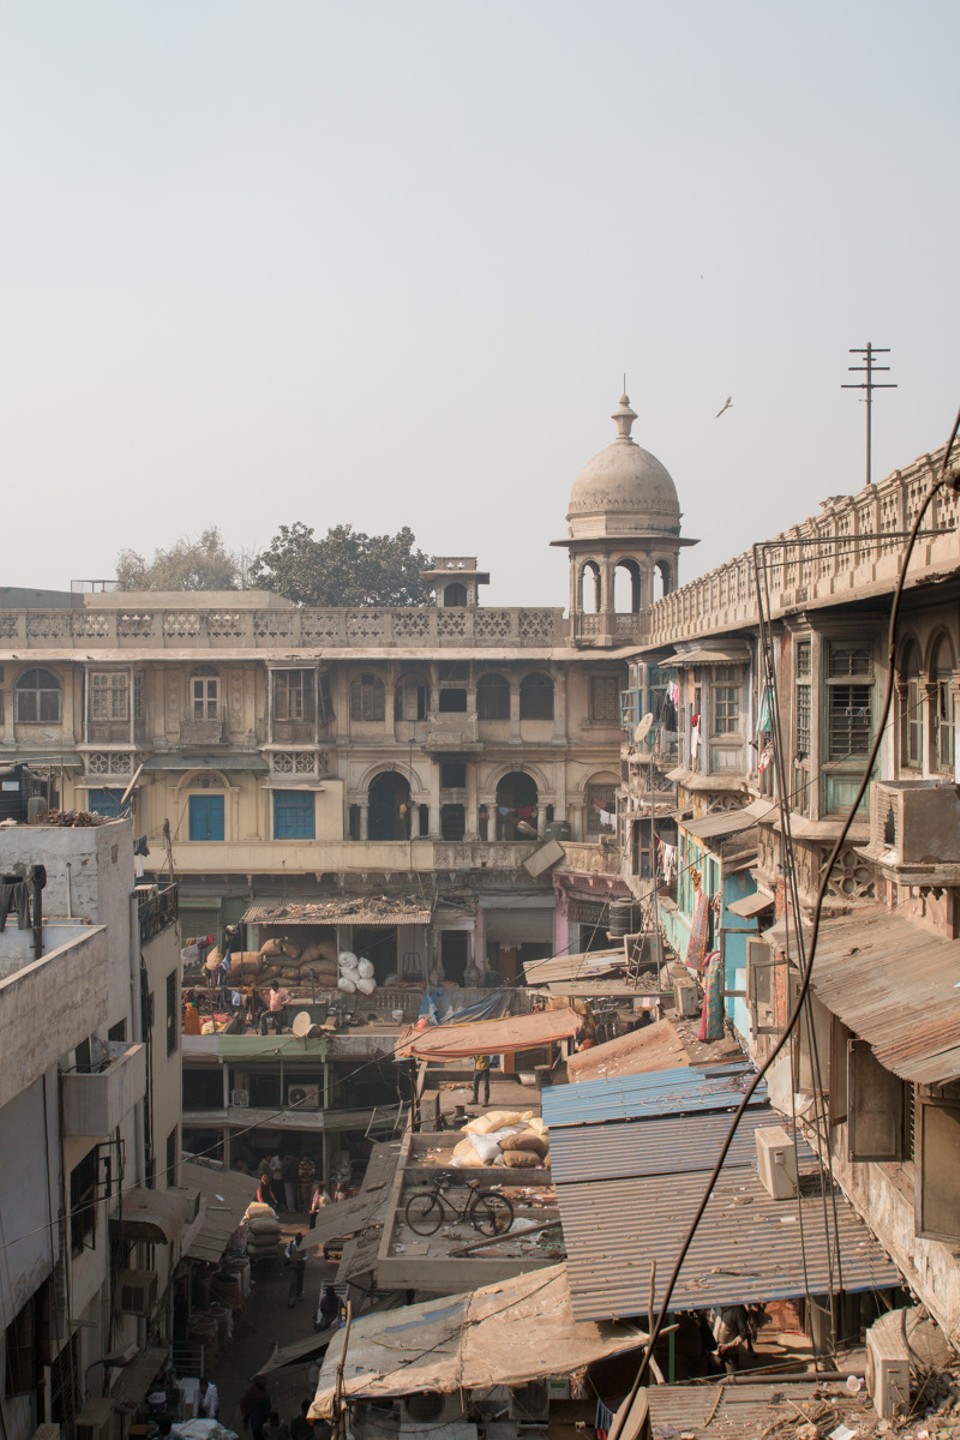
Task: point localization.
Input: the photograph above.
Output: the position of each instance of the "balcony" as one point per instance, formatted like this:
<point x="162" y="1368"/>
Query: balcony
<point x="591" y="859"/>
<point x="451" y="732"/>
<point x="96" y="1101"/>
<point x="157" y="908"/>
<point x="201" y="733"/>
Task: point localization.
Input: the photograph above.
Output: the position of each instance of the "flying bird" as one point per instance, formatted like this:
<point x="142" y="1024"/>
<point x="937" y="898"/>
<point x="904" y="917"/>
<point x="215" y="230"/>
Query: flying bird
<point x="725" y="406"/>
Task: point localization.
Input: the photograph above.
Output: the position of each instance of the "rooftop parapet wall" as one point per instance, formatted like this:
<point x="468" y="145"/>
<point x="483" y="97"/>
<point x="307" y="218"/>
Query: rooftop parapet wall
<point x="840" y="563"/>
<point x="141" y="626"/>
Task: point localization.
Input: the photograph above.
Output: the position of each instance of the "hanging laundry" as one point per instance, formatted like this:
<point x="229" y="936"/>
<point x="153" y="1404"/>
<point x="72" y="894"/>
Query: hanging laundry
<point x="766" y="759"/>
<point x="668" y="861"/>
<point x="697" y="947"/>
<point x="711" y="1015"/>
<point x="694" y="738"/>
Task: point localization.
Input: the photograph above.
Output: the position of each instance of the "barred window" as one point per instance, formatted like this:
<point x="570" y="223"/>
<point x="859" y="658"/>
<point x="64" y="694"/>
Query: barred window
<point x="605" y="699"/>
<point x="803" y="720"/>
<point x="850" y="720"/>
<point x="109" y="695"/>
<point x="205" y="696"/>
<point x="493" y="698"/>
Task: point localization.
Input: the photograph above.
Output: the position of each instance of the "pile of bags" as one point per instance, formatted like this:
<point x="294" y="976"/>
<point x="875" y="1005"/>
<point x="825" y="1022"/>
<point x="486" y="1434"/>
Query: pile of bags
<point x="263" y="1230"/>
<point x="504" y="1137"/>
<point x="355" y="975"/>
<point x="286" y="960"/>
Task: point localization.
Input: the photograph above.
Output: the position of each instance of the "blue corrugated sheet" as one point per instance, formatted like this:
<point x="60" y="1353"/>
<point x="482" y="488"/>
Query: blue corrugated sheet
<point x="654" y="1147"/>
<point x="684" y="1091"/>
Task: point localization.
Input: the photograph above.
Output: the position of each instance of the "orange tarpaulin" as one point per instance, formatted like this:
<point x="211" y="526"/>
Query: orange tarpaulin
<point x="489" y="1037"/>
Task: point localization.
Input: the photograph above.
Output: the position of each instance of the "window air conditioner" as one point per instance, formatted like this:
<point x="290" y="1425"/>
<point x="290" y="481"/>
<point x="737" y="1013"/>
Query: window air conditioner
<point x="776" y="1162"/>
<point x="888" y="1368"/>
<point x="916" y="819"/>
<point x="429" y="1410"/>
<point x="760" y="995"/>
<point x="304" y="1097"/>
<point x="136" y="1292"/>
<point x="530" y="1403"/>
<point x="95" y="1421"/>
<point x="240" y="1099"/>
<point x="686" y="999"/>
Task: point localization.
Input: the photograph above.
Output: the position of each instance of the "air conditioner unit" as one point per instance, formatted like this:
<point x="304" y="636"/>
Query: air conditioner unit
<point x="530" y="1404"/>
<point x="136" y="1292"/>
<point x="427" y="1410"/>
<point x="776" y="1162"/>
<point x="888" y="1369"/>
<point x="918" y="820"/>
<point x="95" y="1421"/>
<point x="760" y="992"/>
<point x="304" y="1097"/>
<point x="240" y="1099"/>
<point x="686" y="999"/>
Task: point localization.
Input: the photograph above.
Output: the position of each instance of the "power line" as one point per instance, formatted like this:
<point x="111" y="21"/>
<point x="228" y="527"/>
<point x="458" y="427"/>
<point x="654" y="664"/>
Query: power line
<point x="616" y="1429"/>
<point x="869" y="385"/>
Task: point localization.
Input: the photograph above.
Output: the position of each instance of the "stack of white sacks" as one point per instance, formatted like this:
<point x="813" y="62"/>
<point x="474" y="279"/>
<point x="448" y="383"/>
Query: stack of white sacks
<point x="355" y="975"/>
<point x="511" y="1138"/>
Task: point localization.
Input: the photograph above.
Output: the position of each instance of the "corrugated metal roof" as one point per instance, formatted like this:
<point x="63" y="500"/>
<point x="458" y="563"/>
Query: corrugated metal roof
<point x="750" y="905"/>
<point x="894" y="985"/>
<point x="226" y="1194"/>
<point x="747" y="1410"/>
<point x="732" y="652"/>
<point x="574" y="967"/>
<point x="646" y="1097"/>
<point x="336" y="912"/>
<point x="748" y="1247"/>
<point x="726" y="822"/>
<point x="652" y="1047"/>
<point x="654" y="1147"/>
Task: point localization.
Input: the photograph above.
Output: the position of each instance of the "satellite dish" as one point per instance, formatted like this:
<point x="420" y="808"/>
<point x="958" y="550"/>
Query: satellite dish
<point x="643" y="729"/>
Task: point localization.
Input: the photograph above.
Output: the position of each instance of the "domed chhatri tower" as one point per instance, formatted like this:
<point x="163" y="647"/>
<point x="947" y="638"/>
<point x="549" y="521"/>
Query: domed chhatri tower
<point x="624" y="538"/>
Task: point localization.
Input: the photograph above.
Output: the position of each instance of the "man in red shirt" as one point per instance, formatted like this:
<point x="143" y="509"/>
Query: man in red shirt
<point x="276" y="1012"/>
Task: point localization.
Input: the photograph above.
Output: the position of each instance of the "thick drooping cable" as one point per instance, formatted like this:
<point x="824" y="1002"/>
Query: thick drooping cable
<point x="616" y="1428"/>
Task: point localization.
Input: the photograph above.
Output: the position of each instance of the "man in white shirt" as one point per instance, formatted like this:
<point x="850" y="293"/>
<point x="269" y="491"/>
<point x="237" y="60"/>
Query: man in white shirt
<point x="206" y="1402"/>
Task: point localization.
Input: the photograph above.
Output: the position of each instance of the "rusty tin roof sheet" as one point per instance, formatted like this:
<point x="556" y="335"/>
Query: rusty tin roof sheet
<point x="894" y="985"/>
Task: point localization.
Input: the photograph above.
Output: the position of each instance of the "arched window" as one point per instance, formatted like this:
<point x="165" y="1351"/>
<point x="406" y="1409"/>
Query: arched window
<point x="536" y="697"/>
<point x="626" y="588"/>
<point x="600" y="805"/>
<point x="662" y="580"/>
<point x="493" y="698"/>
<point x="454" y="594"/>
<point x="590" y="588"/>
<point x="37" y="698"/>
<point x="942" y="707"/>
<point x="517" y="807"/>
<point x="389" y="813"/>
<point x="911" y="719"/>
<point x="366" y="698"/>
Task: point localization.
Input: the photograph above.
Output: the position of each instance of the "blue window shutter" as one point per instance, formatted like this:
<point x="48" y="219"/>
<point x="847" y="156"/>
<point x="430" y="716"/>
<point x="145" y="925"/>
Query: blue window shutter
<point x="294" y="815"/>
<point x="105" y="802"/>
<point x="206" y="817"/>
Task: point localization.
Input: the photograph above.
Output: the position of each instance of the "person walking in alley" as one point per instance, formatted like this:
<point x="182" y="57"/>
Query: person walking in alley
<point x="318" y="1200"/>
<point x="481" y="1072"/>
<point x="297" y="1261"/>
<point x="290" y="1174"/>
<point x="206" y="1402"/>
<point x="255" y="1406"/>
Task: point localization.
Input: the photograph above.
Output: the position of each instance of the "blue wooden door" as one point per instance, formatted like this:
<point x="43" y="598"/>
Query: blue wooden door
<point x="206" y="817"/>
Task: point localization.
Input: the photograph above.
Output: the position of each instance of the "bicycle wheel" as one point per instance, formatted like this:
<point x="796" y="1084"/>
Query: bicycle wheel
<point x="492" y="1214"/>
<point x="424" y="1214"/>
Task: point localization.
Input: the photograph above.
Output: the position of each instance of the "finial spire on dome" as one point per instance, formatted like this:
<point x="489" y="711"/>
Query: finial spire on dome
<point x="623" y="417"/>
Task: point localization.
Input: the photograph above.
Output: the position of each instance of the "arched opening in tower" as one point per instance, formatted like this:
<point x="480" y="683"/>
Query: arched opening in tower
<point x="626" y="588"/>
<point x="662" y="580"/>
<point x="590" y="588"/>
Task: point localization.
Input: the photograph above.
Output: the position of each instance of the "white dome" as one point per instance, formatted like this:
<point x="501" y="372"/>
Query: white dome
<point x="624" y="490"/>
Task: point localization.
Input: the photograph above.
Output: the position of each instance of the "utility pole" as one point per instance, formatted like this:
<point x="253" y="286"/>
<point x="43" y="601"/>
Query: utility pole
<point x="869" y="384"/>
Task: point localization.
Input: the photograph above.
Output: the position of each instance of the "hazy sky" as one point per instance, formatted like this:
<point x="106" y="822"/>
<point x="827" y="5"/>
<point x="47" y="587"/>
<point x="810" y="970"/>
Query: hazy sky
<point x="385" y="263"/>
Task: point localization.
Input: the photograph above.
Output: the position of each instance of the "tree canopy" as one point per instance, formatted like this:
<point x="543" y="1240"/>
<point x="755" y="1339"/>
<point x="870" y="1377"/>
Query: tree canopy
<point x="346" y="567"/>
<point x="203" y="564"/>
